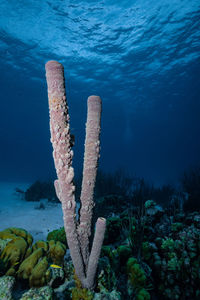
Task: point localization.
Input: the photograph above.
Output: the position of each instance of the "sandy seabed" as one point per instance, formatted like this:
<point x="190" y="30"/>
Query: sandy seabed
<point x="16" y="212"/>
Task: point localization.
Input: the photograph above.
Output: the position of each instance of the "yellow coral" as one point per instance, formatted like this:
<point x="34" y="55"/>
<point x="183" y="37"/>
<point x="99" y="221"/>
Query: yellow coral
<point x="15" y="250"/>
<point x="78" y="293"/>
<point x="32" y="262"/>
<point x="41" y="244"/>
<point x="12" y="232"/>
<point x="29" y="263"/>
<point x="28" y="252"/>
<point x="56" y="252"/>
<point x="38" y="275"/>
<point x="14" y="253"/>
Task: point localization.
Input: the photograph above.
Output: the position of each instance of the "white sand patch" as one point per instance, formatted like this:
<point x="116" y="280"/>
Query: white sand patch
<point x="16" y="212"/>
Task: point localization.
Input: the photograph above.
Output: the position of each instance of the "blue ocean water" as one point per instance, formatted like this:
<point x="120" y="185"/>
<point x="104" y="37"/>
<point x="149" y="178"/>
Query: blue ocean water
<point x="141" y="57"/>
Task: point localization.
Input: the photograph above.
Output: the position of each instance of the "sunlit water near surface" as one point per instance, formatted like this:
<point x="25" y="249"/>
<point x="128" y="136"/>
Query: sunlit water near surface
<point x="141" y="57"/>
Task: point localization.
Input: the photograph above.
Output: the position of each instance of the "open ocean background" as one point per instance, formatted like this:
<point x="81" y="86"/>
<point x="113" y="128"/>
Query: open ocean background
<point x="141" y="57"/>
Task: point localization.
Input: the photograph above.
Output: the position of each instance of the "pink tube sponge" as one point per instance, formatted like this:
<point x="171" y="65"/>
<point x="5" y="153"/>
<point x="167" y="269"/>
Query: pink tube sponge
<point x="91" y="155"/>
<point x="77" y="234"/>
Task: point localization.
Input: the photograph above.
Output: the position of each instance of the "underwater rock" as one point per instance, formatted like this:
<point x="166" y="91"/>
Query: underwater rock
<point x="6" y="287"/>
<point x="43" y="293"/>
<point x="57" y="276"/>
<point x="114" y="295"/>
<point x="41" y="190"/>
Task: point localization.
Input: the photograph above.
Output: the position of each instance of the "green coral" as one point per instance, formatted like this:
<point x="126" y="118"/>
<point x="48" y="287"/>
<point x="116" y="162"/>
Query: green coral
<point x="143" y="295"/>
<point x="176" y="226"/>
<point x="168" y="244"/>
<point x="113" y="230"/>
<point x="149" y="204"/>
<point x="136" y="274"/>
<point x="175" y="260"/>
<point x="146" y="250"/>
<point x="174" y="264"/>
<point x="58" y="235"/>
<point x="112" y="255"/>
<point x="107" y="251"/>
<point x="137" y="280"/>
<point x="124" y="252"/>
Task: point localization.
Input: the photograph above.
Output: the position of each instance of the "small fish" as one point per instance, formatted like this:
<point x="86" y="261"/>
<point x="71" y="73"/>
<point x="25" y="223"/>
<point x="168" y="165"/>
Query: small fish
<point x="55" y="266"/>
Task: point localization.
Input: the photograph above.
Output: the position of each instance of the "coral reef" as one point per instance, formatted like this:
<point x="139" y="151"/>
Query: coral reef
<point x="167" y="267"/>
<point x="32" y="263"/>
<point x="174" y="259"/>
<point x="18" y="242"/>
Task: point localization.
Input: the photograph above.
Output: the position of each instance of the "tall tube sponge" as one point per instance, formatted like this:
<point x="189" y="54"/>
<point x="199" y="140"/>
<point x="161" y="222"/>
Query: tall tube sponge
<point x="77" y="234"/>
